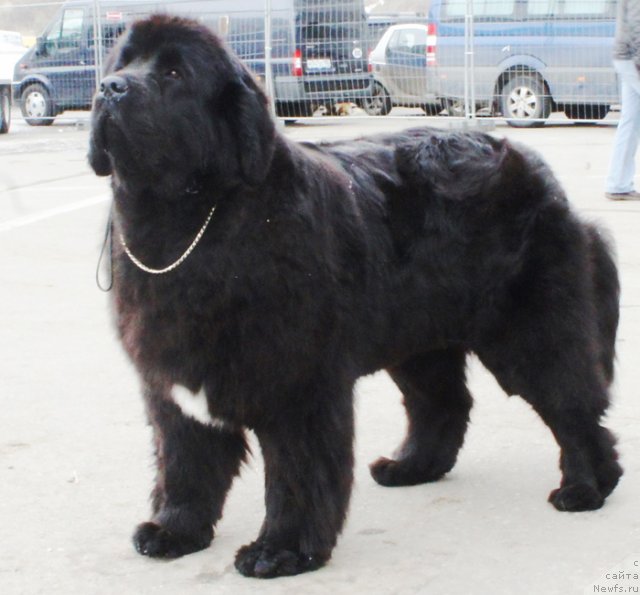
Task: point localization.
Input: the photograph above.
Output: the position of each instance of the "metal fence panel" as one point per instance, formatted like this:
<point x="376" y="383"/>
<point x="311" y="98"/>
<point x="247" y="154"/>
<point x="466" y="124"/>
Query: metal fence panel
<point x="530" y="57"/>
<point x="318" y="50"/>
<point x="516" y="59"/>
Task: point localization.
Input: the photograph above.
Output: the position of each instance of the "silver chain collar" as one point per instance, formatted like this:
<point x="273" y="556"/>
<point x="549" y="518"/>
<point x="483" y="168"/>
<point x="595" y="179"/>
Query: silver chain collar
<point x="178" y="262"/>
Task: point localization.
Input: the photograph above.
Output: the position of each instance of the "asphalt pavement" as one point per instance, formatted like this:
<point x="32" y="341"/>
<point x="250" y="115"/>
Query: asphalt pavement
<point x="75" y="451"/>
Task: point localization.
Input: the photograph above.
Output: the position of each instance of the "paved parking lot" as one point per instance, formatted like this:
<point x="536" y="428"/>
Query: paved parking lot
<point x="75" y="453"/>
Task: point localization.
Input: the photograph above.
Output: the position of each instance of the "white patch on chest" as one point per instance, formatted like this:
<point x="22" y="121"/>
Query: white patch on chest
<point x="195" y="406"/>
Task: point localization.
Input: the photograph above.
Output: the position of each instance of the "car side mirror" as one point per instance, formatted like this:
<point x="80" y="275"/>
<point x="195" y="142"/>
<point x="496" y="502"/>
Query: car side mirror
<point x="41" y="46"/>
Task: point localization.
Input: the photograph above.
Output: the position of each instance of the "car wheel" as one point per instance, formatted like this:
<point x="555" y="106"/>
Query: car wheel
<point x="431" y="109"/>
<point x="379" y="103"/>
<point x="454" y="107"/>
<point x="524" y="101"/>
<point x="5" y="112"/>
<point x="586" y="112"/>
<point x="36" y="105"/>
<point x="294" y="109"/>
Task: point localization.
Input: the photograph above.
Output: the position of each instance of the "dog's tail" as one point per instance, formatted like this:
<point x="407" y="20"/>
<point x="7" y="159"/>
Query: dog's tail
<point x="606" y="288"/>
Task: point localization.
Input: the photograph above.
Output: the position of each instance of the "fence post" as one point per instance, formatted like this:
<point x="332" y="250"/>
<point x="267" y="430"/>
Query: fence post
<point x="268" y="70"/>
<point x="469" y="64"/>
<point x="97" y="42"/>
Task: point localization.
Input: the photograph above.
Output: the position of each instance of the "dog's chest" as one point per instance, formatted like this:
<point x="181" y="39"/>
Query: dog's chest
<point x="162" y="330"/>
<point x="195" y="406"/>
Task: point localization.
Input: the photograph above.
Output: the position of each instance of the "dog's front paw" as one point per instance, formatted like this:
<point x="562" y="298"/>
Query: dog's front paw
<point x="576" y="497"/>
<point x="404" y="472"/>
<point x="150" y="539"/>
<point x="260" y="560"/>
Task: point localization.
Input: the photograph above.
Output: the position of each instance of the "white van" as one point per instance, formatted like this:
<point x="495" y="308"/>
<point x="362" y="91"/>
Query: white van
<point x="11" y="50"/>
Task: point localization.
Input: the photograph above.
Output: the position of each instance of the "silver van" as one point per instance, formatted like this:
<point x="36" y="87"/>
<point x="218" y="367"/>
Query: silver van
<point x="524" y="59"/>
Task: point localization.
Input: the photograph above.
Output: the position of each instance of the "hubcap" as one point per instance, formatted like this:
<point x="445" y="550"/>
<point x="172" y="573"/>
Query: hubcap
<point x="36" y="105"/>
<point x="376" y="101"/>
<point x="522" y="103"/>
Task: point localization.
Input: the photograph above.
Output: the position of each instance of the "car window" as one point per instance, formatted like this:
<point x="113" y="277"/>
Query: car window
<point x="330" y="32"/>
<point x="497" y="8"/>
<point x="593" y="7"/>
<point x="540" y="7"/>
<point x="411" y="41"/>
<point x="65" y="34"/>
<point x="51" y="38"/>
<point x="110" y="33"/>
<point x="71" y="30"/>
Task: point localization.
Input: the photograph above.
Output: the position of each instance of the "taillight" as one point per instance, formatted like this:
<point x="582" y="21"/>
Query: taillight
<point x="369" y="65"/>
<point x="432" y="41"/>
<point x="296" y="68"/>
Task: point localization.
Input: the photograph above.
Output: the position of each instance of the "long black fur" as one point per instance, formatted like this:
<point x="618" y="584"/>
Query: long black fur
<point x="322" y="264"/>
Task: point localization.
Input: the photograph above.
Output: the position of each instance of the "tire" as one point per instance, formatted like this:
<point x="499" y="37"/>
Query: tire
<point x="431" y="109"/>
<point x="5" y="112"/>
<point x="36" y="105"/>
<point x="586" y="112"/>
<point x="294" y="109"/>
<point x="524" y="101"/>
<point x="454" y="107"/>
<point x="379" y="103"/>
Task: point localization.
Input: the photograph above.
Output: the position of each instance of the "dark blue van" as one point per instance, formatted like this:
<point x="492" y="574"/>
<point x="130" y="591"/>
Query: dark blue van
<point x="524" y="59"/>
<point x="318" y="48"/>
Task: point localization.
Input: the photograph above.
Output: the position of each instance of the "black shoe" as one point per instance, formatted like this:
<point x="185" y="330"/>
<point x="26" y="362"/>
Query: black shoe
<point x="633" y="195"/>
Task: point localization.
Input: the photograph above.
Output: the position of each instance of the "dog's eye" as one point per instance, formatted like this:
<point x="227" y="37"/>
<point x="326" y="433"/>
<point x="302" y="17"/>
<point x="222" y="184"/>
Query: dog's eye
<point x="173" y="73"/>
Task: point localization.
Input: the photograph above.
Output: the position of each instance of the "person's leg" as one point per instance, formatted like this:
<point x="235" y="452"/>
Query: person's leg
<point x="622" y="167"/>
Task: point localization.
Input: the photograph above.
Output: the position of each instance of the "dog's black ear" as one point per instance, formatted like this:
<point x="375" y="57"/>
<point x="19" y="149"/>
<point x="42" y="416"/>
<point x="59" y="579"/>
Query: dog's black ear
<point x="98" y="158"/>
<point x="252" y="127"/>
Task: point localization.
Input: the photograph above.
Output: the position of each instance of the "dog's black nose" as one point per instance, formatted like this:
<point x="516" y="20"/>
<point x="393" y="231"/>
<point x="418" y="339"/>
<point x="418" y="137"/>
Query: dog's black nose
<point x="113" y="86"/>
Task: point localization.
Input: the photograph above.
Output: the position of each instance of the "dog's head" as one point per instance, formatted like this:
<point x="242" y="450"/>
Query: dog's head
<point x="175" y="103"/>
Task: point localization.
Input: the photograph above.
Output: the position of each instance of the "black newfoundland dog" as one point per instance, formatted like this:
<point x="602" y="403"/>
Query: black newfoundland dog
<point x="256" y="279"/>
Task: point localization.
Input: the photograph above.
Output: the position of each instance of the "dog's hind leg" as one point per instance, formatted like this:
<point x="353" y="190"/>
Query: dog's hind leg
<point x="552" y="360"/>
<point x="308" y="457"/>
<point x="437" y="404"/>
<point x="548" y="335"/>
<point x="196" y="464"/>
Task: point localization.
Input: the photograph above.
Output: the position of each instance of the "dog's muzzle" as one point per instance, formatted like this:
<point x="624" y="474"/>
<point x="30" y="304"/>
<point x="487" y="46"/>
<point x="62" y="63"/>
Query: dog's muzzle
<point x="113" y="87"/>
